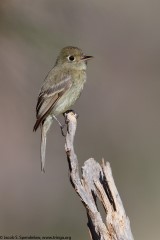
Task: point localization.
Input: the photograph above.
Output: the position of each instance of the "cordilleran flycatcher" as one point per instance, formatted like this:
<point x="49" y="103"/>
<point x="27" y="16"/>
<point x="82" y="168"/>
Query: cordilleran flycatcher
<point x="61" y="88"/>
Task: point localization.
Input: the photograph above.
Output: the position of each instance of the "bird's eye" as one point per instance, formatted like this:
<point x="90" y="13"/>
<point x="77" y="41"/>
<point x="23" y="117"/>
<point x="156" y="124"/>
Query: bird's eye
<point x="71" y="58"/>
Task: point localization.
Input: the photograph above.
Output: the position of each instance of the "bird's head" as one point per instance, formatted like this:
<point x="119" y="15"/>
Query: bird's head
<point x="73" y="57"/>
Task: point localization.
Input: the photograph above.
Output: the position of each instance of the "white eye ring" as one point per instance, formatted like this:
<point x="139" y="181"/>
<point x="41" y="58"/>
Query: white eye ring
<point x="71" y="58"/>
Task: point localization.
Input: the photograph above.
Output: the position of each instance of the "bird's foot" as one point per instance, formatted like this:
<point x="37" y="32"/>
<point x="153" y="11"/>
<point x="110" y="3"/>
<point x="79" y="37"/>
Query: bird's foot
<point x="62" y="130"/>
<point x="60" y="124"/>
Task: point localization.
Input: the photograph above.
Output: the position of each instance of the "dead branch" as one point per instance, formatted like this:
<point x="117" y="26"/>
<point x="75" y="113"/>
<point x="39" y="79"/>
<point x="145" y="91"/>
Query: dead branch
<point x="96" y="182"/>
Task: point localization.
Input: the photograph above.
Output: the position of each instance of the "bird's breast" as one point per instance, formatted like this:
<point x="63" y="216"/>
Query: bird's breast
<point x="71" y="95"/>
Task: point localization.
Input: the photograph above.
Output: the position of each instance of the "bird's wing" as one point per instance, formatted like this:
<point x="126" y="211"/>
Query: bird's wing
<point x="49" y="97"/>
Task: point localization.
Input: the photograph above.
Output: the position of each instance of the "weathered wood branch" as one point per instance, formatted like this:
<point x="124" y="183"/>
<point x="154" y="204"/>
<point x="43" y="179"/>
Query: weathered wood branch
<point x="96" y="182"/>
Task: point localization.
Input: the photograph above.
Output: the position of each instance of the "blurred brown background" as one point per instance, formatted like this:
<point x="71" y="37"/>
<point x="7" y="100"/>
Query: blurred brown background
<point x="119" y="111"/>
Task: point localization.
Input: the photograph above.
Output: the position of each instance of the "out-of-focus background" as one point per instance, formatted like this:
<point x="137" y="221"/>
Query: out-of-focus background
<point x="119" y="111"/>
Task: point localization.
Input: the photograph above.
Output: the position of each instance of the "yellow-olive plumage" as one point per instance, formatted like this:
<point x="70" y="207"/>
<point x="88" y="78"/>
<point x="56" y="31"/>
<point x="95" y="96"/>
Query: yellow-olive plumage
<point x="61" y="88"/>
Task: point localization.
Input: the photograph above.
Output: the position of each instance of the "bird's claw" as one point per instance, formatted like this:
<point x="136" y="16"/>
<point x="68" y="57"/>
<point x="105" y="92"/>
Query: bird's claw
<point x="62" y="131"/>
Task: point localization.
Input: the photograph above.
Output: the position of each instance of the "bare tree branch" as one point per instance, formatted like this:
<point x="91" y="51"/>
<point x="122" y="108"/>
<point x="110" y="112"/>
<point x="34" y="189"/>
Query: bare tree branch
<point x="96" y="182"/>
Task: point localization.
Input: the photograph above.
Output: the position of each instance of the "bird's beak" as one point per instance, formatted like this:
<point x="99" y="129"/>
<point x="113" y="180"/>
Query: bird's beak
<point x="86" y="57"/>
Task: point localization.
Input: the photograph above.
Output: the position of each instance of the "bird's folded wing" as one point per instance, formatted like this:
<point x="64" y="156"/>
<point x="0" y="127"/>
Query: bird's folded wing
<point x="49" y="97"/>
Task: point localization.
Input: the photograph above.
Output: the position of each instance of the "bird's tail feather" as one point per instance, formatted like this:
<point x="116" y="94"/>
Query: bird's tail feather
<point x="44" y="129"/>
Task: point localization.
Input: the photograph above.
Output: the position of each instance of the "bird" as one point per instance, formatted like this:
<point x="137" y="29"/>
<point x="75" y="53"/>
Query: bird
<point x="60" y="90"/>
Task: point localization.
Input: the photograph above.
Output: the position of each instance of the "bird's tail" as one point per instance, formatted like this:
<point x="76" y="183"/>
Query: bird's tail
<point x="44" y="129"/>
